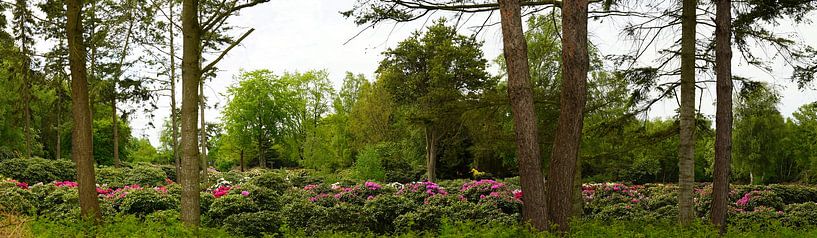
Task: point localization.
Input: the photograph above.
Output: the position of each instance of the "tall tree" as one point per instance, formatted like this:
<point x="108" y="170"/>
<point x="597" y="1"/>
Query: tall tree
<point x="430" y="77"/>
<point x="686" y="148"/>
<point x="723" y="114"/>
<point x="564" y="157"/>
<point x="521" y="97"/>
<point x="82" y="147"/>
<point x="191" y="75"/>
<point x="23" y="19"/>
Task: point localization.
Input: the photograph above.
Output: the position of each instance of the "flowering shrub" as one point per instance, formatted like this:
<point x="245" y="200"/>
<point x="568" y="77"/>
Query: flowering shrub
<point x="475" y="191"/>
<point x="382" y="211"/>
<point x="145" y="201"/>
<point x="603" y="196"/>
<point x="751" y="200"/>
<point x="800" y="215"/>
<point x="229" y="205"/>
<point x="271" y="180"/>
<point x="421" y="191"/>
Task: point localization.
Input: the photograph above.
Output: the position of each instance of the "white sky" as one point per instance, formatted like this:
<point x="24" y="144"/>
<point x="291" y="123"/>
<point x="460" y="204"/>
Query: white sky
<point x="309" y="34"/>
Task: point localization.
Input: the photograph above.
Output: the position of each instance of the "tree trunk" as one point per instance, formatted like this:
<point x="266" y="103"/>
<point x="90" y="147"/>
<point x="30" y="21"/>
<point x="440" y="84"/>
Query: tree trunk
<point x="173" y="117"/>
<point x="27" y="106"/>
<point x="116" y="161"/>
<point x="242" y="160"/>
<point x="578" y="197"/>
<point x="203" y="131"/>
<point x="565" y="153"/>
<point x="723" y="117"/>
<point x="58" y="146"/>
<point x="431" y="153"/>
<point x="686" y="158"/>
<point x="82" y="147"/>
<point x="524" y="116"/>
<point x="191" y="75"/>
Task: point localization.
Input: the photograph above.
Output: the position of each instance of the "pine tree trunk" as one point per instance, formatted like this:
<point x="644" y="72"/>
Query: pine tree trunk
<point x="565" y="153"/>
<point x="203" y="131"/>
<point x="524" y="117"/>
<point x="191" y="75"/>
<point x="82" y="147"/>
<point x="116" y="162"/>
<point x="173" y="117"/>
<point x="686" y="158"/>
<point x="242" y="160"/>
<point x="431" y="153"/>
<point x="58" y="131"/>
<point x="27" y="108"/>
<point x="723" y="117"/>
<point x="578" y="197"/>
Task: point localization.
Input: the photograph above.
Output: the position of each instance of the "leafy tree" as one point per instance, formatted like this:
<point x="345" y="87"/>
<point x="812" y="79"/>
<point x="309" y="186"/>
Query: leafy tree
<point x="259" y="110"/>
<point x="759" y="130"/>
<point x="430" y="76"/>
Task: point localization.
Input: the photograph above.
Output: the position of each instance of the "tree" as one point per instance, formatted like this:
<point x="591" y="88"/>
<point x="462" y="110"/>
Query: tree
<point x="759" y="132"/>
<point x="723" y="117"/>
<point x="430" y="76"/>
<point x="563" y="160"/>
<point x="521" y="97"/>
<point x="686" y="148"/>
<point x="23" y="20"/>
<point x="82" y="146"/>
<point x="191" y="75"/>
<point x="259" y="110"/>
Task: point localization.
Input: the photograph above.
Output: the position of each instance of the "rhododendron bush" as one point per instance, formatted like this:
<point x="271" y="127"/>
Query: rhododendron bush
<point x="249" y="200"/>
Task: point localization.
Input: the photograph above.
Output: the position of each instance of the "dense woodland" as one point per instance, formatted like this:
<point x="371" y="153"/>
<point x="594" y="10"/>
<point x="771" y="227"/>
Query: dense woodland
<point x="558" y="110"/>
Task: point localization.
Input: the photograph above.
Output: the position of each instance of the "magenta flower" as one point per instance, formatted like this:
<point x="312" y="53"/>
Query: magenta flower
<point x="372" y="185"/>
<point x="245" y="193"/>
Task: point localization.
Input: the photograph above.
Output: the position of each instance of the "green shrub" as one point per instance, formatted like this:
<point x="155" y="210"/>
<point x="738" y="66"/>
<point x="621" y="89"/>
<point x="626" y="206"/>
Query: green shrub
<point x="271" y="180"/>
<point x="346" y="217"/>
<point x="266" y="199"/>
<point x="620" y="211"/>
<point x="145" y="201"/>
<point x="170" y="171"/>
<point x="368" y="165"/>
<point x="302" y="214"/>
<point x="37" y="170"/>
<point x="58" y="203"/>
<point x="145" y="175"/>
<point x="206" y="200"/>
<point x="254" y="224"/>
<point x="64" y="169"/>
<point x="759" y="219"/>
<point x="113" y="177"/>
<point x="228" y="205"/>
<point x="384" y="209"/>
<point x="430" y="216"/>
<point x="801" y="215"/>
<point x="165" y="217"/>
<point x="794" y="194"/>
<point x="15" y="169"/>
<point x="17" y="201"/>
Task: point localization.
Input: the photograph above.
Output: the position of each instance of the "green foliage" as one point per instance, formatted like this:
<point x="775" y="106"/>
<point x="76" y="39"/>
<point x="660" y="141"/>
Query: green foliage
<point x="146" y="201"/>
<point x="273" y="181"/>
<point x="17" y="201"/>
<point x="228" y="205"/>
<point x="37" y="170"/>
<point x="256" y="224"/>
<point x="369" y="165"/>
<point x="384" y="209"/>
<point x="119" y="226"/>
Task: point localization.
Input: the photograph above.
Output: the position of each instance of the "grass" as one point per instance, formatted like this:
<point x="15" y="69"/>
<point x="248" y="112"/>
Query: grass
<point x="130" y="226"/>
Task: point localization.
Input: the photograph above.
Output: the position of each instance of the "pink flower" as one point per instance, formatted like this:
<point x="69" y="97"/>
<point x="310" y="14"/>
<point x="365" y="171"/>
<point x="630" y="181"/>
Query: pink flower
<point x="161" y="189"/>
<point x="310" y="187"/>
<point x="66" y="184"/>
<point x="245" y="193"/>
<point x="370" y="197"/>
<point x="744" y="200"/>
<point x="338" y="195"/>
<point x="635" y="200"/>
<point x="22" y="185"/>
<point x="372" y="185"/>
<point x="517" y="194"/>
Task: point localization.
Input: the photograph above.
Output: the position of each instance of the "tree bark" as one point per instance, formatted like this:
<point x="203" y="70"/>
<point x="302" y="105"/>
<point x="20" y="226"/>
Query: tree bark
<point x="242" y="160"/>
<point x="723" y="117"/>
<point x="82" y="147"/>
<point x="431" y="153"/>
<point x="27" y="105"/>
<point x="203" y="131"/>
<point x="191" y="75"/>
<point x="173" y="117"/>
<point x="565" y="153"/>
<point x="116" y="162"/>
<point x="520" y="94"/>
<point x="686" y="157"/>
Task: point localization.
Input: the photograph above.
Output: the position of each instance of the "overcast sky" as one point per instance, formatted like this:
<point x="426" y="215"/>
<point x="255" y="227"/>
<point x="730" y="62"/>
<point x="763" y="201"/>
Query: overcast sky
<point x="310" y="34"/>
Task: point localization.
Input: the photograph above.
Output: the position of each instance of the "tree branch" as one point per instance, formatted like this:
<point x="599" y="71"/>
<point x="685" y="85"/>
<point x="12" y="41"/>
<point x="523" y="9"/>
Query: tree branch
<point x="224" y="53"/>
